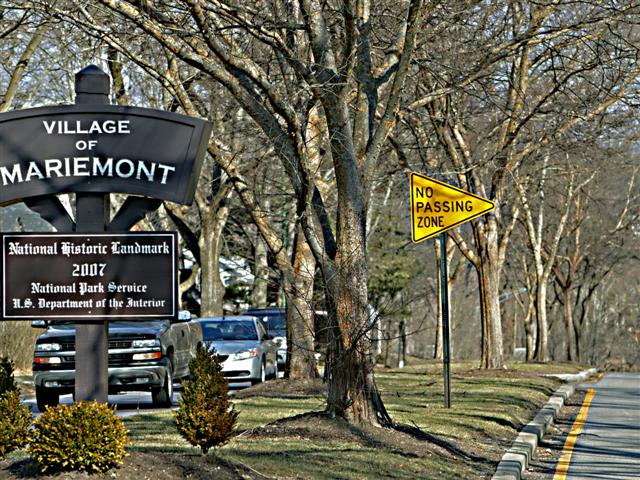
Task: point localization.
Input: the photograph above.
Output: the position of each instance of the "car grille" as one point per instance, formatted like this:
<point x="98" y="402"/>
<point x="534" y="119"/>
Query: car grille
<point x="119" y="359"/>
<point x="236" y="373"/>
<point x="68" y="344"/>
<point x="115" y="359"/>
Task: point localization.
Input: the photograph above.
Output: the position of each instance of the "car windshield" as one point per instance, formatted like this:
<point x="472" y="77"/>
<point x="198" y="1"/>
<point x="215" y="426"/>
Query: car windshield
<point x="272" y="321"/>
<point x="229" y="330"/>
<point x="276" y="323"/>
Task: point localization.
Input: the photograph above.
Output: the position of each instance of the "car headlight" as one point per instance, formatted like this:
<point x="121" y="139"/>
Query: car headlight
<point x="147" y="356"/>
<point x="254" y="352"/>
<point x="49" y="360"/>
<point x="280" y="341"/>
<point x="151" y="342"/>
<point x="48" y="347"/>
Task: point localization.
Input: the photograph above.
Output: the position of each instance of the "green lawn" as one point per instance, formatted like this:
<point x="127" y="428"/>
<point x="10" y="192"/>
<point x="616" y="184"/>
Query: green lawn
<point x="488" y="409"/>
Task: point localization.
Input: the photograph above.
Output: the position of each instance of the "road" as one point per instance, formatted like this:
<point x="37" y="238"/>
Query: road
<point x="128" y="404"/>
<point x="604" y="441"/>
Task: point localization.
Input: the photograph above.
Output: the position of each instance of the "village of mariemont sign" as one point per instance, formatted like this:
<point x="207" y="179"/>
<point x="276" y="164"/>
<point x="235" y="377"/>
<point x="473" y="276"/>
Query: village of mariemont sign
<point x="100" y="148"/>
<point x="93" y="268"/>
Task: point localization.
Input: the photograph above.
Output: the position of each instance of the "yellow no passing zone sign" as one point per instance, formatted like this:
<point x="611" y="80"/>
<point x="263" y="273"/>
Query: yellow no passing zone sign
<point x="437" y="206"/>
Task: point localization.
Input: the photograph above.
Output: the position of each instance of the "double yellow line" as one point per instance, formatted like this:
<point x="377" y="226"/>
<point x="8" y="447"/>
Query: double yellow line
<point x="565" y="458"/>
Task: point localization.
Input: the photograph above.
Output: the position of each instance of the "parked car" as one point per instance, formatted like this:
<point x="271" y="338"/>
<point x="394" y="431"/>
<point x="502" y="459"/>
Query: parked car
<point x="274" y="321"/>
<point x="144" y="355"/>
<point x="245" y="349"/>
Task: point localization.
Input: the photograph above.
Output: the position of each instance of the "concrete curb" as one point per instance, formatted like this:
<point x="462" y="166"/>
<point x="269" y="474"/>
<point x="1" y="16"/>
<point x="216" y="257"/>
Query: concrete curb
<point x="517" y="458"/>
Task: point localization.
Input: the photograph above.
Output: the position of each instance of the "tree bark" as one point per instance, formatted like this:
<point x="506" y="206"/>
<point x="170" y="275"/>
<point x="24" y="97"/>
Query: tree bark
<point x="300" y="313"/>
<point x="261" y="273"/>
<point x="542" y="339"/>
<point x="489" y="270"/>
<point x="567" y="313"/>
<point x="211" y="288"/>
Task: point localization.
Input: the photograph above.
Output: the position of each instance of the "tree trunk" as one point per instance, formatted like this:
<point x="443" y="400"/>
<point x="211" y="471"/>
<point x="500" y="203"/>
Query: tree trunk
<point x="352" y="392"/>
<point x="300" y="314"/>
<point x="261" y="274"/>
<point x="508" y="335"/>
<point x="489" y="273"/>
<point x="211" y="288"/>
<point x="387" y="345"/>
<point x="567" y="312"/>
<point x="529" y="327"/>
<point x="542" y="339"/>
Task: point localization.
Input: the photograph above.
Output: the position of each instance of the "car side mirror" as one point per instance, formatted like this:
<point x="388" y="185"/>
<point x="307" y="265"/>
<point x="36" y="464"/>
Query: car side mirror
<point x="267" y="337"/>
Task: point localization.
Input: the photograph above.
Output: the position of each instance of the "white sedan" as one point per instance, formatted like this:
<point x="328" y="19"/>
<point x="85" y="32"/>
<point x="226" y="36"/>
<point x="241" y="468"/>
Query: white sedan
<point x="247" y="353"/>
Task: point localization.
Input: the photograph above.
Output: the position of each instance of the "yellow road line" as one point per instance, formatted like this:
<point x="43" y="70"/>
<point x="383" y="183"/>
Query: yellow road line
<point x="565" y="458"/>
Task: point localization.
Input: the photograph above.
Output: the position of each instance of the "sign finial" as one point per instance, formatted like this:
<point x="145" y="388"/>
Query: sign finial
<point x="92" y="85"/>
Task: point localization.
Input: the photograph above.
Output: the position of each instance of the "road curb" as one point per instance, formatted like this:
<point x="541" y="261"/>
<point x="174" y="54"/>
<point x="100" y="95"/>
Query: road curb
<point x="517" y="458"/>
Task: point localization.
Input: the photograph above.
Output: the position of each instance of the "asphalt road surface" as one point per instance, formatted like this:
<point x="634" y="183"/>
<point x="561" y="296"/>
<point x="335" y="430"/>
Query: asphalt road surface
<point x="604" y="441"/>
<point x="128" y="404"/>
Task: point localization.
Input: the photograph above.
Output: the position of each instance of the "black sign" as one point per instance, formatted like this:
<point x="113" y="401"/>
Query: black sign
<point x="89" y="276"/>
<point x="100" y="148"/>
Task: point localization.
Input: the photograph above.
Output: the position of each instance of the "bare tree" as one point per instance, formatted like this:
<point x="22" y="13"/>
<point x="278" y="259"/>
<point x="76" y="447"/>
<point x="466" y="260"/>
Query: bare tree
<point x="278" y="71"/>
<point x="539" y="71"/>
<point x="544" y="243"/>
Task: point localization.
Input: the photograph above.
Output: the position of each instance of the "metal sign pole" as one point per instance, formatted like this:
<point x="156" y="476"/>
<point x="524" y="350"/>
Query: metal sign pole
<point x="444" y="282"/>
<point x="430" y="199"/>
<point x="92" y="215"/>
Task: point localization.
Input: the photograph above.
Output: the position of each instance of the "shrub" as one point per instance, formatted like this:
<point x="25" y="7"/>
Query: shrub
<point x="85" y="436"/>
<point x="205" y="417"/>
<point x="7" y="380"/>
<point x="15" y="420"/>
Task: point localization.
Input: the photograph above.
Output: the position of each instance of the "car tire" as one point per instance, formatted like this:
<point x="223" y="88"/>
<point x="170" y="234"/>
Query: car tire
<point x="46" y="398"/>
<point x="163" y="396"/>
<point x="262" y="376"/>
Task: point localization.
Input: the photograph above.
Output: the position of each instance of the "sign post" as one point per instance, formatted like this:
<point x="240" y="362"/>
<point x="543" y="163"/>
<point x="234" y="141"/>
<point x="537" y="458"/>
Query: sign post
<point x="94" y="149"/>
<point x="92" y="215"/>
<point x="444" y="307"/>
<point x="435" y="208"/>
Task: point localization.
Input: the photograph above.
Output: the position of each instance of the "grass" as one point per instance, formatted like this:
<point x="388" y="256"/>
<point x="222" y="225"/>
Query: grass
<point x="483" y="406"/>
<point x="298" y="458"/>
<point x="488" y="409"/>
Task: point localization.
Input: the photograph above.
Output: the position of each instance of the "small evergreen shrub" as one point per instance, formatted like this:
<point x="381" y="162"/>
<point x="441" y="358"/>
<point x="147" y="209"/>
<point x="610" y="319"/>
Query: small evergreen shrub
<point x="205" y="416"/>
<point x="85" y="436"/>
<point x="15" y="418"/>
<point x="7" y="380"/>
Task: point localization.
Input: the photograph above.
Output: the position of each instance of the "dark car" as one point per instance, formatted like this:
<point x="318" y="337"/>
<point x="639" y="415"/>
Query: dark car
<point x="143" y="356"/>
<point x="274" y="320"/>
<point x="244" y="348"/>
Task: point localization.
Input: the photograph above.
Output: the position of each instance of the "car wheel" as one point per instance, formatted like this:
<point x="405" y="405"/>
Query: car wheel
<point x="45" y="398"/>
<point x="163" y="396"/>
<point x="262" y="377"/>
